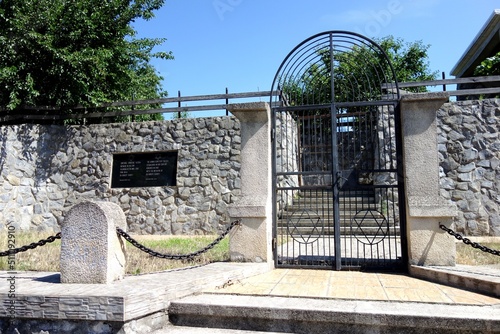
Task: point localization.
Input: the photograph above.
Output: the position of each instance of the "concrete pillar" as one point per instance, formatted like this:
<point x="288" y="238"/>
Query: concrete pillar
<point x="251" y="242"/>
<point x="91" y="251"/>
<point x="427" y="243"/>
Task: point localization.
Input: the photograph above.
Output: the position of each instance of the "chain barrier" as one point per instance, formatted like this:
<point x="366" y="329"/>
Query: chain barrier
<point x="469" y="242"/>
<point x="33" y="245"/>
<point x="151" y="252"/>
<point x="134" y="242"/>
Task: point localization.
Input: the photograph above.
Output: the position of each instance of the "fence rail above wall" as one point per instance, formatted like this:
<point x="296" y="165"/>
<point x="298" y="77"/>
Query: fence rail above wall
<point x="50" y="113"/>
<point x="488" y="83"/>
<point x="491" y="85"/>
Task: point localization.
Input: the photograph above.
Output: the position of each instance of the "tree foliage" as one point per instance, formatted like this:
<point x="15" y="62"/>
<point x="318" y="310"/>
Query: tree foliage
<point x="65" y="53"/>
<point x="489" y="66"/>
<point x="409" y="60"/>
<point x="182" y="114"/>
<point x="353" y="75"/>
<point x="359" y="72"/>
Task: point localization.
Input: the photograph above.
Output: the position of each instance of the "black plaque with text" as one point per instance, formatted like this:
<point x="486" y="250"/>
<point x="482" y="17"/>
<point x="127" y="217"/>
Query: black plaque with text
<point x="144" y="170"/>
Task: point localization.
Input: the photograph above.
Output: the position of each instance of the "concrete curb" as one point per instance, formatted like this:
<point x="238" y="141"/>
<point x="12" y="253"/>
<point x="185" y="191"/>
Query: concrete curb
<point x="485" y="280"/>
<point x="308" y="315"/>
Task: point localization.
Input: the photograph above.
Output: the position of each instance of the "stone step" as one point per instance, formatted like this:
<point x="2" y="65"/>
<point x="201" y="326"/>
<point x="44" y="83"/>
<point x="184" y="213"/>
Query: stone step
<point x="172" y="329"/>
<point x="367" y="230"/>
<point x="322" y="199"/>
<point x="343" y="194"/>
<point x="328" y="206"/>
<point x="303" y="223"/>
<point x="327" y="222"/>
<point x="307" y="213"/>
<point x="330" y="200"/>
<point x="310" y="315"/>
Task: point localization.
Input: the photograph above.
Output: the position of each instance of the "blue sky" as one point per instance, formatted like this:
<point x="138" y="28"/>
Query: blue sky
<point x="239" y="44"/>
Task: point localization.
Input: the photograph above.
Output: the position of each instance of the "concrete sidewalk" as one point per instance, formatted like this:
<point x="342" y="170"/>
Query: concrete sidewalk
<point x="352" y="285"/>
<point x="252" y="296"/>
<point x="320" y="301"/>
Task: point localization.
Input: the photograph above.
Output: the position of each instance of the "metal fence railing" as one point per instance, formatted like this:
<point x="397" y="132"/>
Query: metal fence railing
<point x="178" y="104"/>
<point x="473" y="86"/>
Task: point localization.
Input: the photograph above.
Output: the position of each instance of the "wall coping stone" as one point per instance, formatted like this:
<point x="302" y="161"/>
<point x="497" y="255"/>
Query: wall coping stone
<point x="429" y="96"/>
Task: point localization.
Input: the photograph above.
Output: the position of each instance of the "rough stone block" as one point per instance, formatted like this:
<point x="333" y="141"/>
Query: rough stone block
<point x="91" y="251"/>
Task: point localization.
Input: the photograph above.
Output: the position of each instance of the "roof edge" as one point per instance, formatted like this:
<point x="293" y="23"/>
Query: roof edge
<point x="489" y="29"/>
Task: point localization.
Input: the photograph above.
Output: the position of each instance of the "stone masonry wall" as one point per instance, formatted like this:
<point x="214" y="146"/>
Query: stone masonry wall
<point x="45" y="170"/>
<point x="469" y="152"/>
<point x="287" y="158"/>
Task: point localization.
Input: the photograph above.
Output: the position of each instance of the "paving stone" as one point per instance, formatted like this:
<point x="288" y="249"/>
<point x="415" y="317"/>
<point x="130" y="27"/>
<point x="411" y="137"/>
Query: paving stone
<point x="42" y="298"/>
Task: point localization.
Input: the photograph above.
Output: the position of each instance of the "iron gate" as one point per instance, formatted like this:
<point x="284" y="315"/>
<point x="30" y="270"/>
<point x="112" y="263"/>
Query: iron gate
<point x="336" y="148"/>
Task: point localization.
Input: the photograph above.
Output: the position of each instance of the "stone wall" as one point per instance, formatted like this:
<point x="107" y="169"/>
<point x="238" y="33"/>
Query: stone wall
<point x="469" y="152"/>
<point x="45" y="170"/>
<point x="287" y="158"/>
<point x="386" y="159"/>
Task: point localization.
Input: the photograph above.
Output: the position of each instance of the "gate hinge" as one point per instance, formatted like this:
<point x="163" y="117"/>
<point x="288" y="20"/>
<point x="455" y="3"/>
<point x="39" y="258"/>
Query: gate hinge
<point x="273" y="134"/>
<point x="275" y="244"/>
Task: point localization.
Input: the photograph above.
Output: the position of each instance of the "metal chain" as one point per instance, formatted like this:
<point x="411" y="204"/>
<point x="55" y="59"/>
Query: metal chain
<point x="469" y="242"/>
<point x="33" y="245"/>
<point x="127" y="237"/>
<point x="151" y="252"/>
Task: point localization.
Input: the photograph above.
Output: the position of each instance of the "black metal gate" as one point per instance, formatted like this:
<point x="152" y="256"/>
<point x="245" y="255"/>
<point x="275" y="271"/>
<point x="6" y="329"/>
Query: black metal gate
<point x="338" y="184"/>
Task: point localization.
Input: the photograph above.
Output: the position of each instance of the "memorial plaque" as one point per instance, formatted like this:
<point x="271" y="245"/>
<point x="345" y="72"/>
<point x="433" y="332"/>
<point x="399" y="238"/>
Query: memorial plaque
<point x="156" y="169"/>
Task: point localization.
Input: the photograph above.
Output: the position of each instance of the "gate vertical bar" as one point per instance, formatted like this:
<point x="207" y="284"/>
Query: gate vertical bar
<point x="274" y="192"/>
<point x="401" y="183"/>
<point x="335" y="162"/>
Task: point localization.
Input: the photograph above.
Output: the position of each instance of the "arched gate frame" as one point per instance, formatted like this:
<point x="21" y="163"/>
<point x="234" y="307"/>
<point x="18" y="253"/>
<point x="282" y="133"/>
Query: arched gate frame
<point x="338" y="185"/>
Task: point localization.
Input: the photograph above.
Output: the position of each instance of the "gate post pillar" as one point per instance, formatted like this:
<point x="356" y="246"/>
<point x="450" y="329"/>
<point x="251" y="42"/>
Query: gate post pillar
<point x="251" y="242"/>
<point x="425" y="208"/>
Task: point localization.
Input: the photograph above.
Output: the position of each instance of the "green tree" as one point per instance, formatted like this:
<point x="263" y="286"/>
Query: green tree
<point x="409" y="60"/>
<point x="489" y="66"/>
<point x="182" y="114"/>
<point x="65" y="53"/>
<point x="360" y="71"/>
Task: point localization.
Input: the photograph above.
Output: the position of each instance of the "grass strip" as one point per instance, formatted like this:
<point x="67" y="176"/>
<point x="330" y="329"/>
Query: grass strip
<point x="46" y="258"/>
